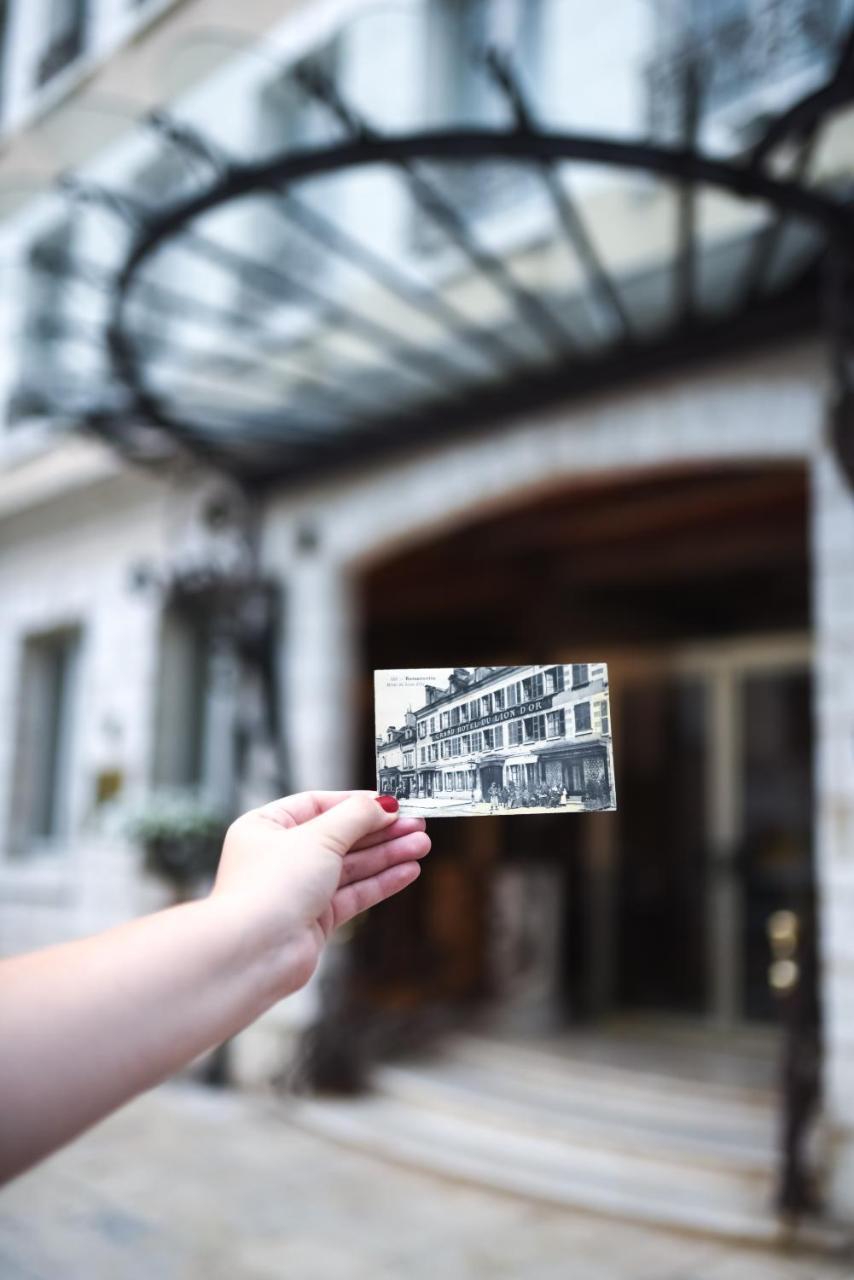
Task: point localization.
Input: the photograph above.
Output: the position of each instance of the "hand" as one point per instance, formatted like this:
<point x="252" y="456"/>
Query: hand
<point x="301" y="866"/>
<point x="90" y="1023"/>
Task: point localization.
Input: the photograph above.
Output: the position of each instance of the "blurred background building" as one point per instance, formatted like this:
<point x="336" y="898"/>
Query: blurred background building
<point x="346" y="335"/>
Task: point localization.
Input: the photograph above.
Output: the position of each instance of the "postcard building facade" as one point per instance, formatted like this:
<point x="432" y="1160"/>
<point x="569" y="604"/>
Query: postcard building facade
<point x="396" y="759"/>
<point x="519" y="728"/>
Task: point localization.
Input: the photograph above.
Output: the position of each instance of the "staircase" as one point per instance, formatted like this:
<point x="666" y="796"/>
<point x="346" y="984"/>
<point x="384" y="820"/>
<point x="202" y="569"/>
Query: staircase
<point x="662" y="1127"/>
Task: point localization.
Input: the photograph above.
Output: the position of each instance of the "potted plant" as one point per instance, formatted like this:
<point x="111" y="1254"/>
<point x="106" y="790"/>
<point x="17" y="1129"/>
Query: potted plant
<point x="182" y="833"/>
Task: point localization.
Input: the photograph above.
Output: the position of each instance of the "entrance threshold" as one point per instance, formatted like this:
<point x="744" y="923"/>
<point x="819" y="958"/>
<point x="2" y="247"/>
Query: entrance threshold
<point x="684" y="1137"/>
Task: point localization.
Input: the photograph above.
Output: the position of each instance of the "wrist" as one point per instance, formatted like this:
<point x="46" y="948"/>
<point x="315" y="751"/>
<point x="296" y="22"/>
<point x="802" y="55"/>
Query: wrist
<point x="274" y="957"/>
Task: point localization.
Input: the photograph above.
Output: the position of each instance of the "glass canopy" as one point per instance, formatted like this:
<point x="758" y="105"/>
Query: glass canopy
<point x="437" y="215"/>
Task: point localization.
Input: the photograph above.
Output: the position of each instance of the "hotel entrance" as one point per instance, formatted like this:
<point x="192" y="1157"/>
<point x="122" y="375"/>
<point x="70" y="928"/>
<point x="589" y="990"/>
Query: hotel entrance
<point x="693" y="587"/>
<point x="635" y="948"/>
<point x="489" y="776"/>
<point x="713" y="836"/>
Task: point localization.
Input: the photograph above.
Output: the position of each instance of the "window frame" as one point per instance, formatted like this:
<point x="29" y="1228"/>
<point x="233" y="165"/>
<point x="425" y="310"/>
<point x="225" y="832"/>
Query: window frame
<point x="66" y="42"/>
<point x="554" y="677"/>
<point x="559" y="716"/>
<point x="50" y="672"/>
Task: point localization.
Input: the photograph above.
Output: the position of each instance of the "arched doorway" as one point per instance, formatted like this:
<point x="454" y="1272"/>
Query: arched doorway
<point x="693" y="584"/>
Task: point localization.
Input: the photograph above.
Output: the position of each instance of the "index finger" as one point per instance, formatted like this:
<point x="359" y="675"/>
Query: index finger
<point x="293" y="811"/>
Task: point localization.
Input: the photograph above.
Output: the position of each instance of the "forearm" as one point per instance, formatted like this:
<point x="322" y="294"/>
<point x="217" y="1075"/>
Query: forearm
<point x="87" y="1025"/>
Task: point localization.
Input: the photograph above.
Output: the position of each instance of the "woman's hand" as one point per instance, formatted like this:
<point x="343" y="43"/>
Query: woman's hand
<point x="89" y="1024"/>
<point x="301" y="866"/>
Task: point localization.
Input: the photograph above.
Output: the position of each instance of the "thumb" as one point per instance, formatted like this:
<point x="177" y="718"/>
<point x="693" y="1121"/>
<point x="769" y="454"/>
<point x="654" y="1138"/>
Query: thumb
<point x="340" y="827"/>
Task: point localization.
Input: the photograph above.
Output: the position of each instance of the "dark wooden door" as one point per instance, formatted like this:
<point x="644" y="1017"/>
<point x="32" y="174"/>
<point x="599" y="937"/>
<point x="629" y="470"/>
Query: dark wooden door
<point x="661" y="859"/>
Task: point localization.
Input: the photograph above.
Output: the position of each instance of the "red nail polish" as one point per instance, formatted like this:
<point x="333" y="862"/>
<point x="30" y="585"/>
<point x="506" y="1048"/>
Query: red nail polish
<point x="389" y="803"/>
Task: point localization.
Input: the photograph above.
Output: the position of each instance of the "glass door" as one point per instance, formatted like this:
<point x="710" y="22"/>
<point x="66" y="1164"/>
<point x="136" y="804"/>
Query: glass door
<point x="776" y="846"/>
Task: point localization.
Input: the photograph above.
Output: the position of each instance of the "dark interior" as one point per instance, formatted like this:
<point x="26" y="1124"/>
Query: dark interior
<point x="633" y="563"/>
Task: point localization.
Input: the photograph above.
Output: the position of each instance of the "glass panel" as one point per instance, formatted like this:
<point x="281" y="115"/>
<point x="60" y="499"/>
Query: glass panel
<point x="43" y="760"/>
<point x="777" y="808"/>
<point x="662" y="843"/>
<point x="386" y="297"/>
<point x="66" y="35"/>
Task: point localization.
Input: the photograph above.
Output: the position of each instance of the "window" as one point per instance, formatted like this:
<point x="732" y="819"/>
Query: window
<point x="457" y="89"/>
<point x="580" y="674"/>
<point x="449" y="782"/>
<point x="514" y="733"/>
<point x="466" y="741"/>
<point x="423" y="756"/>
<point x="499" y="699"/>
<point x="4" y="29"/>
<point x="554" y="680"/>
<point x="67" y="21"/>
<point x="556" y="724"/>
<point x="513" y="692"/>
<point x="422" y="728"/>
<point x="432" y="724"/>
<point x="455" y="746"/>
<point x="477" y="741"/>
<point x="446" y="748"/>
<point x="582" y="717"/>
<point x="532" y="687"/>
<point x="606" y="720"/>
<point x="745" y="46"/>
<point x="464" y="711"/>
<point x="444" y="719"/>
<point x="408" y="760"/>
<point x="286" y="118"/>
<point x="181" y="709"/>
<point x="455" y="716"/>
<point x="434" y="751"/>
<point x="460" y="780"/>
<point x="486" y="703"/>
<point x="41" y="790"/>
<point x="45" y="317"/>
<point x="498" y="733"/>
<point x="535" y="728"/>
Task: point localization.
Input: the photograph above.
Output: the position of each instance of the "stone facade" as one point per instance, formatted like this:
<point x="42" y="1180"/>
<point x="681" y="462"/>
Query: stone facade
<point x="491" y="728"/>
<point x="81" y="536"/>
<point x="73" y="556"/>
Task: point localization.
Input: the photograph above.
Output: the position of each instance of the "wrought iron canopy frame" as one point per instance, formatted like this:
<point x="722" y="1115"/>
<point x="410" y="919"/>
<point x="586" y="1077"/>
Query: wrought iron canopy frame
<point x="294" y="448"/>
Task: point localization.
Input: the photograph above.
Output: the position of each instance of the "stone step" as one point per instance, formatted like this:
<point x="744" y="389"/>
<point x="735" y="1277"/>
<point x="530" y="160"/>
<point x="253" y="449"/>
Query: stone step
<point x="555" y="1123"/>
<point x="606" y="1117"/>
<point x="633" y="1184"/>
<point x="624" y="1067"/>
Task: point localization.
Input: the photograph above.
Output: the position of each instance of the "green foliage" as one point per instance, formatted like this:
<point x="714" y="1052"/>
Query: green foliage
<point x="182" y="832"/>
<point x="176" y="815"/>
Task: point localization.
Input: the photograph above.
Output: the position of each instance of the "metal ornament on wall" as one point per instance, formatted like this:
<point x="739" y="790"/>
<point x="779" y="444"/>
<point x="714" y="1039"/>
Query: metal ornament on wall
<point x="261" y="381"/>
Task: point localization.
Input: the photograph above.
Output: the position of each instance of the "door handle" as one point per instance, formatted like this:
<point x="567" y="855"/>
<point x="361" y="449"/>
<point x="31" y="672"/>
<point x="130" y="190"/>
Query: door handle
<point x="783" y="929"/>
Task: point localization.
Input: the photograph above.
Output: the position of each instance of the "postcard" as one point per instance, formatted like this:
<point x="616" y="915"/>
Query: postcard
<point x="469" y="741"/>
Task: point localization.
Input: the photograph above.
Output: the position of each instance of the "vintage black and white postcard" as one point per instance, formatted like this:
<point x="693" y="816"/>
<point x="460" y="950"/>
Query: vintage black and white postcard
<point x="467" y="741"/>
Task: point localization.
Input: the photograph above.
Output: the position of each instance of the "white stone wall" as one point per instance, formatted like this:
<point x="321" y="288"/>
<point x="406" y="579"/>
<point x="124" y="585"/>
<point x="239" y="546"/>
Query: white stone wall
<point x="765" y="408"/>
<point x="68" y="562"/>
<point x="770" y="408"/>
<point x="68" y="558"/>
<point x="833" y="560"/>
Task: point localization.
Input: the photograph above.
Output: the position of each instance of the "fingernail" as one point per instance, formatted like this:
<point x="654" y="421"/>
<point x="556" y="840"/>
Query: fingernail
<point x="389" y="803"/>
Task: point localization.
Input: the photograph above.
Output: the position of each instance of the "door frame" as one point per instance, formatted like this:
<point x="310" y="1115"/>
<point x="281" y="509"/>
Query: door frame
<point x="721" y="666"/>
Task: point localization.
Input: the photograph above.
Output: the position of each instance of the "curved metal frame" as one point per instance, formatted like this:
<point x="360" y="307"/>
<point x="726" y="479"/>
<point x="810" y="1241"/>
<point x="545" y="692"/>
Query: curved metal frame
<point x="744" y="179"/>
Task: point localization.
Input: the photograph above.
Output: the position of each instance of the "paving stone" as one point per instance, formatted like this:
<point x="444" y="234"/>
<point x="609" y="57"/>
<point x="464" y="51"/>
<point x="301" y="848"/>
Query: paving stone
<point x="188" y="1183"/>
